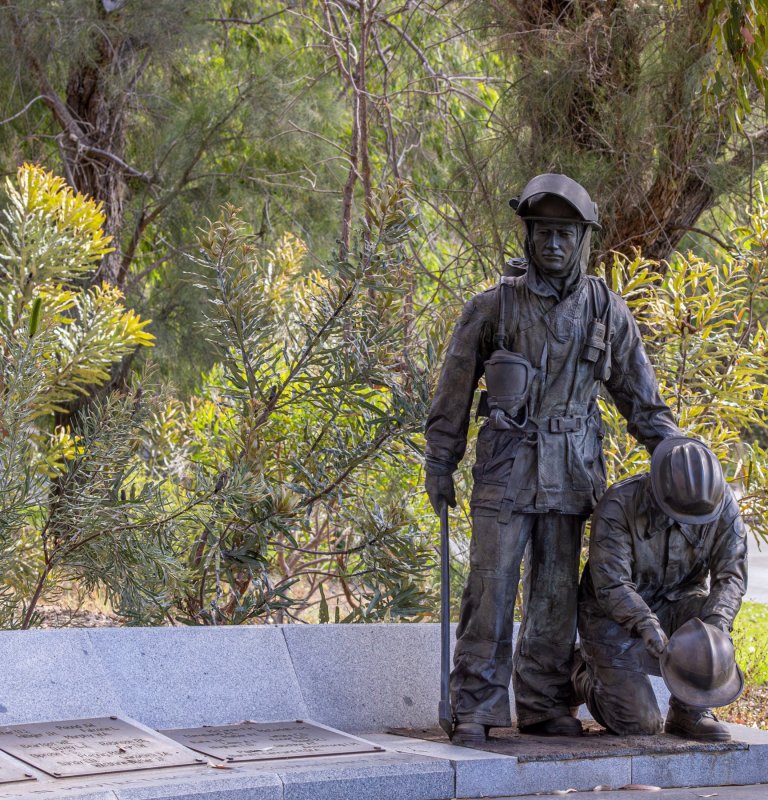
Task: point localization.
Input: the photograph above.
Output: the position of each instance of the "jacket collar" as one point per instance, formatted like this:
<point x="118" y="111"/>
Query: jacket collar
<point x="658" y="521"/>
<point x="540" y="287"/>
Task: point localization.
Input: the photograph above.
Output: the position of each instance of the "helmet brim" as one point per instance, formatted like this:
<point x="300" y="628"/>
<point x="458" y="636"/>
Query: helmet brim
<point x="700" y="698"/>
<point x="661" y="449"/>
<point x="575" y="221"/>
<point x="562" y="187"/>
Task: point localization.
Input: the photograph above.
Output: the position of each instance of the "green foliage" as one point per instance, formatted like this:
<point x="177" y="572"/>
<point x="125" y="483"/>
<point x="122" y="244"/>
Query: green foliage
<point x="312" y="406"/>
<point x="704" y="335"/>
<point x="62" y="338"/>
<point x="750" y="638"/>
<point x="279" y="472"/>
<point x="58" y="342"/>
<point x="275" y="490"/>
<point x="739" y="34"/>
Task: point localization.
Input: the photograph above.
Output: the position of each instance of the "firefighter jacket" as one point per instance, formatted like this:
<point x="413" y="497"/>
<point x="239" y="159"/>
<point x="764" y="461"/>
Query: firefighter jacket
<point x="641" y="561"/>
<point x="555" y="461"/>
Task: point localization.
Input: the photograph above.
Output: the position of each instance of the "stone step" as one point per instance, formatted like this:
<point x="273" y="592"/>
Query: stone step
<point x="482" y="774"/>
<point x="414" y="769"/>
<point x="356" y="678"/>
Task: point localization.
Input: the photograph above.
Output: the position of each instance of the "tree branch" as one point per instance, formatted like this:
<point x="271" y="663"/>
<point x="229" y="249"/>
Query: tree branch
<point x="23" y="110"/>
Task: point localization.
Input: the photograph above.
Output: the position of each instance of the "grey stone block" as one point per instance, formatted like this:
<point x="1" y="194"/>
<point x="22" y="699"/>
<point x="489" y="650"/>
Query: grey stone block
<point x="750" y="736"/>
<point x="489" y="775"/>
<point x="480" y="773"/>
<point x="235" y="786"/>
<point x="662" y="694"/>
<point x="368" y="677"/>
<point x="582" y="774"/>
<point x="50" y="791"/>
<point x="160" y="784"/>
<point x="389" y="776"/>
<point x="179" y="677"/>
<point x="52" y="674"/>
<point x="374" y="677"/>
<point x="693" y="769"/>
<point x="709" y="769"/>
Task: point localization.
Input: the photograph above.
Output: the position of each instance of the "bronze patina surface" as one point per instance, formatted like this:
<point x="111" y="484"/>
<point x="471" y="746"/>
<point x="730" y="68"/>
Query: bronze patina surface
<point x="261" y="741"/>
<point x="76" y="747"/>
<point x="596" y="743"/>
<point x="547" y="340"/>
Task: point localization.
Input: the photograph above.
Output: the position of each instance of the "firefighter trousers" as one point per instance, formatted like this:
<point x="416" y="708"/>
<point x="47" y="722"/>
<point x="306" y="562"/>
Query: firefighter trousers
<point x="549" y="546"/>
<point x="611" y="673"/>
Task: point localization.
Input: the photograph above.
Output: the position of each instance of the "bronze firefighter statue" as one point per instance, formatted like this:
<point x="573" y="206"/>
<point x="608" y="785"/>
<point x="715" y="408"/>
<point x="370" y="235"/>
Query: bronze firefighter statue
<point x="667" y="558"/>
<point x="546" y="341"/>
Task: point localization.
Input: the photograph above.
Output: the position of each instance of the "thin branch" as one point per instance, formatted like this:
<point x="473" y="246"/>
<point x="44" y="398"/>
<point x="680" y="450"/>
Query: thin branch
<point x="23" y="110"/>
<point x="701" y="231"/>
<point x="90" y="150"/>
<point x="244" y="21"/>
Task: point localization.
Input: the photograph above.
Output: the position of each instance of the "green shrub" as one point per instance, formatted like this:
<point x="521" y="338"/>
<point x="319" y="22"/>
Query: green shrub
<point x="750" y="637"/>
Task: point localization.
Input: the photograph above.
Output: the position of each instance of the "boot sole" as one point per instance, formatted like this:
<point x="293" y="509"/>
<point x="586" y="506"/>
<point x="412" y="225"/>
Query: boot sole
<point x="674" y="730"/>
<point x="570" y="733"/>
<point x="468" y="742"/>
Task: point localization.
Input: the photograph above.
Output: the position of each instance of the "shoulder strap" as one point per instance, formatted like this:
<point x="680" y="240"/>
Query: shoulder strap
<point x="601" y="305"/>
<point x="504" y="310"/>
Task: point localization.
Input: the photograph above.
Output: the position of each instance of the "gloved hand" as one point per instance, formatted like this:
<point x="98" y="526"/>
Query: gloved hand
<point x="441" y="490"/>
<point x="718" y="622"/>
<point x="654" y="638"/>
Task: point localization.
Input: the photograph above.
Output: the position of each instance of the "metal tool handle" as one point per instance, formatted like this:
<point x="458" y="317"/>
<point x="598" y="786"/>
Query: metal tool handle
<point x="444" y="710"/>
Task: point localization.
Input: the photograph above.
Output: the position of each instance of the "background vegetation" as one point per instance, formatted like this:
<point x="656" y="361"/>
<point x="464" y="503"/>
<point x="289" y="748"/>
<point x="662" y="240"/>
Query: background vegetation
<point x="235" y="235"/>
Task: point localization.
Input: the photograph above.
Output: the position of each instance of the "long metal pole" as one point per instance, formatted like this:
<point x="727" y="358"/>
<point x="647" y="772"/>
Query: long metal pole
<point x="444" y="711"/>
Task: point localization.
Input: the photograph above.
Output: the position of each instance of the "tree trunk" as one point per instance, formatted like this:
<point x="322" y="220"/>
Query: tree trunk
<point x="100" y="104"/>
<point x="612" y="94"/>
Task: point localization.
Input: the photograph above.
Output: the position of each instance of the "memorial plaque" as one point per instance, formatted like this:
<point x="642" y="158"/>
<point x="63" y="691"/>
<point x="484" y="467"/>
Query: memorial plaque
<point x="90" y="747"/>
<point x="11" y="773"/>
<point x="260" y="741"/>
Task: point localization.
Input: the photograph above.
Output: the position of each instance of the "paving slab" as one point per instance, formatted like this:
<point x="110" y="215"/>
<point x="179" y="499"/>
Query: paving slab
<point x="52" y="674"/>
<point x="753" y="792"/>
<point x="237" y="785"/>
<point x="182" y="677"/>
<point x="530" y="765"/>
<point x="180" y="784"/>
<point x="385" y="776"/>
<point x="480" y="773"/>
<point x="49" y="791"/>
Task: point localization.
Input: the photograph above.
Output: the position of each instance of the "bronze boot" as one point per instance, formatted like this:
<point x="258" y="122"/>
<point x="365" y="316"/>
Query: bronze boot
<point x="695" y="723"/>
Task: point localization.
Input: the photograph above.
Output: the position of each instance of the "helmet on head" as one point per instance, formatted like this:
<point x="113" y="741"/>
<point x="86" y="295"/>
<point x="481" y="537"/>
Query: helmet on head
<point x="687" y="481"/>
<point x="699" y="666"/>
<point x="579" y="208"/>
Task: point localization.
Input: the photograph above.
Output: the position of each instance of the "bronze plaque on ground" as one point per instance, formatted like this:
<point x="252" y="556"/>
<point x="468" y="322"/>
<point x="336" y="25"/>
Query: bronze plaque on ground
<point x="11" y="773"/>
<point x="257" y="741"/>
<point x="90" y="747"/>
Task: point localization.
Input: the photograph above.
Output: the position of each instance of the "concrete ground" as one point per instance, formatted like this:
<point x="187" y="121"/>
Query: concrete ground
<point x="757" y="583"/>
<point x="755" y="792"/>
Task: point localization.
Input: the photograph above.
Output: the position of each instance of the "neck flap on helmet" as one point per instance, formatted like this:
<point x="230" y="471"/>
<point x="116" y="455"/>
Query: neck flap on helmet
<point x="576" y="267"/>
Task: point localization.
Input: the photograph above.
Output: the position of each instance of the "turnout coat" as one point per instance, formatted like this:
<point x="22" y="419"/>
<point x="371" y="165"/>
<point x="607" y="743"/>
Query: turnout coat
<point x="555" y="461"/>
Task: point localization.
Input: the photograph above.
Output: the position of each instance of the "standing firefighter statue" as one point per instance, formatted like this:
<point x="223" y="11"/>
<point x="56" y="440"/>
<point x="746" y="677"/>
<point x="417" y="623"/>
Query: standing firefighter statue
<point x="546" y="340"/>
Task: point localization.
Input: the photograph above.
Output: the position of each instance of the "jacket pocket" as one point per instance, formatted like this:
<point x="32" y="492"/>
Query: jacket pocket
<point x="496" y="451"/>
<point x="586" y="461"/>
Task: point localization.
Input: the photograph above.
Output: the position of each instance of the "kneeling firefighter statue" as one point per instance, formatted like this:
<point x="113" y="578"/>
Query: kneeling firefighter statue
<point x="545" y="340"/>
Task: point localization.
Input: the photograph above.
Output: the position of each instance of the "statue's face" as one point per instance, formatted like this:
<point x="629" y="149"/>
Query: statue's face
<point x="554" y="243"/>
